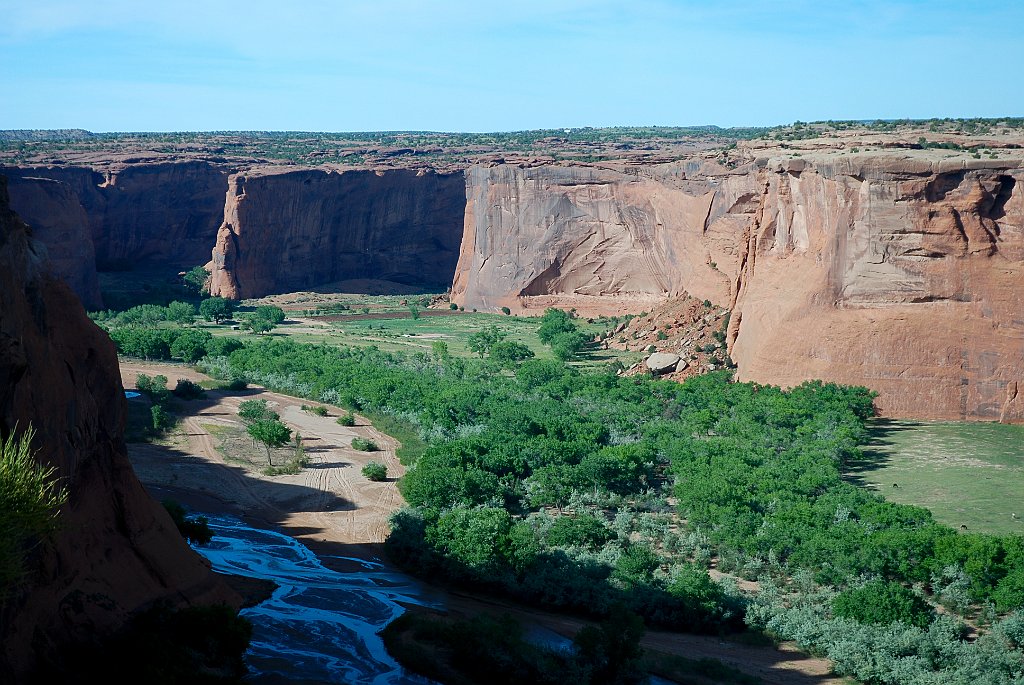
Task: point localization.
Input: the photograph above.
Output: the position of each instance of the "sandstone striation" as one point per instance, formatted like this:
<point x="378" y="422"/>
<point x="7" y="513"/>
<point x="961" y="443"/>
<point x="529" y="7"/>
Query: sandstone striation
<point x="895" y="272"/>
<point x="296" y="230"/>
<point x="537" y="231"/>
<point x="116" y="550"/>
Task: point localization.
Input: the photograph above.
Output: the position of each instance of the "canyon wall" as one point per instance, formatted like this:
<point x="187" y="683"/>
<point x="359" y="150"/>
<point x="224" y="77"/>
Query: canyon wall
<point x="60" y="223"/>
<point x="902" y="272"/>
<point x="633" y="237"/>
<point x="296" y="230"/>
<point x="157" y="216"/>
<point x="899" y="273"/>
<point x="896" y="270"/>
<point x="116" y="550"/>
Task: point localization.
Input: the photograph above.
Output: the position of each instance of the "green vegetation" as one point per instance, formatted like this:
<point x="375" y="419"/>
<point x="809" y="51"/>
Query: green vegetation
<point x="346" y="420"/>
<point x="256" y="410"/>
<point x="195" y="280"/>
<point x="565" y="338"/>
<point x="316" y="410"/>
<point x="29" y="502"/>
<point x="155" y="389"/>
<point x="216" y="309"/>
<point x="883" y="602"/>
<point x="195" y="529"/>
<point x="376" y="472"/>
<point x="271" y="433"/>
<point x="364" y="445"/>
<point x="755" y="473"/>
<point x="967" y="474"/>
<point x="485" y="651"/>
<point x="188" y="390"/>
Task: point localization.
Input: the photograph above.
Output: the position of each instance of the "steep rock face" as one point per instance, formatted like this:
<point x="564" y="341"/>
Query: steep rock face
<point x="902" y="273"/>
<point x="296" y="230"/>
<point x="60" y="223"/>
<point x="892" y="272"/>
<point x="161" y="215"/>
<point x="620" y="236"/>
<point x="116" y="550"/>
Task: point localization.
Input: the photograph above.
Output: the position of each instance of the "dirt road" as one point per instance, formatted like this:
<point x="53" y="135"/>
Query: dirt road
<point x="330" y="501"/>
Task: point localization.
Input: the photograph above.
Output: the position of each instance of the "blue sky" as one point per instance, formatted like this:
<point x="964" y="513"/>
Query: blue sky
<point x="131" y="65"/>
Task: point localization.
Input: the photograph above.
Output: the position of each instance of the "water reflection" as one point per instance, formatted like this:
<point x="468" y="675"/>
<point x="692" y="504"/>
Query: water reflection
<point x="320" y="626"/>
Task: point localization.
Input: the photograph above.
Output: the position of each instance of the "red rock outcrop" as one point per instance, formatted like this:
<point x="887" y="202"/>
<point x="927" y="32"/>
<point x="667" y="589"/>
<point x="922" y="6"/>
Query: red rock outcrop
<point x="60" y="223"/>
<point x="555" y="230"/>
<point x="154" y="216"/>
<point x="116" y="550"/>
<point x="899" y="272"/>
<point x="296" y="230"/>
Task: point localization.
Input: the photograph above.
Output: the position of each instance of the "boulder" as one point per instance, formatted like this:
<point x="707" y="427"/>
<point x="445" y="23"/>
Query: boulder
<point x="662" y="362"/>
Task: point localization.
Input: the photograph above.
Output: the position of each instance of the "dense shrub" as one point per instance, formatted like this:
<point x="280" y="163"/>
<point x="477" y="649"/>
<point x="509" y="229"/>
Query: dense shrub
<point x="376" y="472"/>
<point x="882" y="602"/>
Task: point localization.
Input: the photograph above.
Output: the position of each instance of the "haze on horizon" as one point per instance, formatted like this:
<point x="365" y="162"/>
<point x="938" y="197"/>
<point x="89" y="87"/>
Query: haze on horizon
<point x="463" y="66"/>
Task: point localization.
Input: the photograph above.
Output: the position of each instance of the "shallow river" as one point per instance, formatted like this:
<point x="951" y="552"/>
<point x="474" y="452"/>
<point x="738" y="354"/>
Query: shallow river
<point x="320" y="626"/>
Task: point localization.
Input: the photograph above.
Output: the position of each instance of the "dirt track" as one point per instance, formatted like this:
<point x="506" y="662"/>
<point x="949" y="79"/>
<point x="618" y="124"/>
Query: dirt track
<point x="331" y="502"/>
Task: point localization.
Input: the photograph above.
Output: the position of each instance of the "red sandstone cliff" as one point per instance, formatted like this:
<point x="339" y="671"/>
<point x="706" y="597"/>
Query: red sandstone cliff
<point x="896" y="270"/>
<point x="299" y="229"/>
<point x="154" y="216"/>
<point x="902" y="273"/>
<point x="60" y="223"/>
<point x="116" y="550"/>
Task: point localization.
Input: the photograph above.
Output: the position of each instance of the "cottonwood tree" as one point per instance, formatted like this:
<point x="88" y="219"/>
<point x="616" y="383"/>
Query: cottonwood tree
<point x="270" y="432"/>
<point x="216" y="309"/>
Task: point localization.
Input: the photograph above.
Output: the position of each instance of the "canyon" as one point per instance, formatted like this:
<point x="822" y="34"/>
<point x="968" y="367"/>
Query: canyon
<point x="865" y="258"/>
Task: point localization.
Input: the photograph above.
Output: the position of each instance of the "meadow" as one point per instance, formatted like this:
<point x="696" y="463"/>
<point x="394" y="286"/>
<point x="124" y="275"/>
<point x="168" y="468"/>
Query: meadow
<point x="967" y="474"/>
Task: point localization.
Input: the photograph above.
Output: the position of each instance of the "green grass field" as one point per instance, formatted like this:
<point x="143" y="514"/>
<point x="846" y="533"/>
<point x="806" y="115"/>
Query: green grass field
<point x="966" y="473"/>
<point x="409" y="335"/>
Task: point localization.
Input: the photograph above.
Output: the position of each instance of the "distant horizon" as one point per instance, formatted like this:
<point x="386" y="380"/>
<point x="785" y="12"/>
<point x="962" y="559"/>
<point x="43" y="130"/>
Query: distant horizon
<point x="458" y="66"/>
<point x="513" y="131"/>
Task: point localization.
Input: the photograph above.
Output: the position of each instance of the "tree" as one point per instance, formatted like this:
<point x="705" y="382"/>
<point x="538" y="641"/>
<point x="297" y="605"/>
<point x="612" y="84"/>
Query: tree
<point x="553" y="323"/>
<point x="181" y="312"/>
<point x="482" y="341"/>
<point x="195" y="280"/>
<point x="414" y="311"/>
<point x="270" y="432"/>
<point x="190" y="345"/>
<point x="882" y="602"/>
<point x="567" y="346"/>
<point x="216" y="309"/>
<point x="439" y="349"/>
<point x="507" y="353"/>
<point x="274" y="315"/>
<point x="259" y="325"/>
<point x="161" y="419"/>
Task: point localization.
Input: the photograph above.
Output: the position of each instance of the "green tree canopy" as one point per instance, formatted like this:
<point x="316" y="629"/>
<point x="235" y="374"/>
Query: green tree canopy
<point x="271" y="433"/>
<point x="216" y="308"/>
